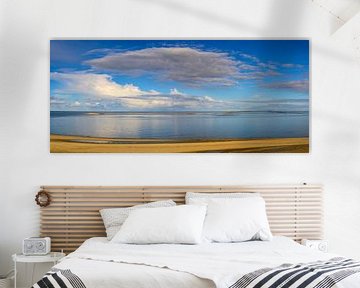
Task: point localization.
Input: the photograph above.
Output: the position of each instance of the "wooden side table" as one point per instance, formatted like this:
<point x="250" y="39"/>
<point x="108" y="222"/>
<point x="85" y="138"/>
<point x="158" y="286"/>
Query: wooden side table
<point x="52" y="257"/>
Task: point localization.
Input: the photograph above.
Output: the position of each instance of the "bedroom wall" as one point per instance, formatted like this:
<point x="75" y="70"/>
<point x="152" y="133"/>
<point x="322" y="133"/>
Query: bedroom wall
<point x="25" y="161"/>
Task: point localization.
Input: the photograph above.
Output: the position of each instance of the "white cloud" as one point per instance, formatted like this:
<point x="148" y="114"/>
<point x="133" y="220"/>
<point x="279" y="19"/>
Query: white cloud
<point x="174" y="101"/>
<point x="174" y="91"/>
<point x="300" y="85"/>
<point x="56" y="100"/>
<point x="250" y="57"/>
<point x="187" y="65"/>
<point x="190" y="66"/>
<point x="102" y="86"/>
<point x="266" y="103"/>
<point x="292" y="65"/>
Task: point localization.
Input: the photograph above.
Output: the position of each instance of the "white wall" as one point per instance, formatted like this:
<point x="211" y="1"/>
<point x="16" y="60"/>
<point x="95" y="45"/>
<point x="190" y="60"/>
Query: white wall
<point x="25" y="29"/>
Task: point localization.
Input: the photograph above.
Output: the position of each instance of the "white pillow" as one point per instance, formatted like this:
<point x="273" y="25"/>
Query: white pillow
<point x="204" y="198"/>
<point x="113" y="218"/>
<point x="180" y="224"/>
<point x="236" y="220"/>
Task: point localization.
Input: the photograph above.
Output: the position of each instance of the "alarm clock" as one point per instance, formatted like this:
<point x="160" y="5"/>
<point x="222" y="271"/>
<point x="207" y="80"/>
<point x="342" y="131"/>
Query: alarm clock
<point x="36" y="246"/>
<point x="319" y="245"/>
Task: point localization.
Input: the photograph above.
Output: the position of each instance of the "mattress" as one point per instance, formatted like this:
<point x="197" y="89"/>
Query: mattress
<point x="99" y="263"/>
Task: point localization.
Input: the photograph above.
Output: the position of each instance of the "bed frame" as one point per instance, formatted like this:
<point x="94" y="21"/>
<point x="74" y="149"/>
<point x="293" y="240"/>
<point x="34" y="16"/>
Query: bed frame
<point x="73" y="215"/>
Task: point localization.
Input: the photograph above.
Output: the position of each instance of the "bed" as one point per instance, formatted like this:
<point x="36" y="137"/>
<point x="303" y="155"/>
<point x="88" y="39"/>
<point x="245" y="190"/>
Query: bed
<point x="99" y="263"/>
<point x="294" y="211"/>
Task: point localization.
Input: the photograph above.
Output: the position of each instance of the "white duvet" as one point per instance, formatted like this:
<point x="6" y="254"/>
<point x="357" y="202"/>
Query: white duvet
<point x="100" y="263"/>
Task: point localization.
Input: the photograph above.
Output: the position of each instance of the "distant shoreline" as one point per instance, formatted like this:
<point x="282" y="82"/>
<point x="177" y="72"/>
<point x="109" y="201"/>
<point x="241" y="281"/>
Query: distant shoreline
<point x="83" y="144"/>
<point x="182" y="112"/>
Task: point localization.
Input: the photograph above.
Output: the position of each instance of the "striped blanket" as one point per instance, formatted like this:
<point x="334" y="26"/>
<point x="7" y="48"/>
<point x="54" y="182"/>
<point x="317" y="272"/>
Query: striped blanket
<point x="57" y="278"/>
<point x="319" y="274"/>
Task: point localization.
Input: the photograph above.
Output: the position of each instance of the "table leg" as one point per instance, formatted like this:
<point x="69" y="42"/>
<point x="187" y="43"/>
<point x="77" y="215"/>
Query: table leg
<point x="32" y="274"/>
<point x="26" y="272"/>
<point x="15" y="273"/>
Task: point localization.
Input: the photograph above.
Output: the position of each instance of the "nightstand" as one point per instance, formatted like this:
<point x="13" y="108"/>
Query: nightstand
<point x="52" y="257"/>
<point x="320" y="245"/>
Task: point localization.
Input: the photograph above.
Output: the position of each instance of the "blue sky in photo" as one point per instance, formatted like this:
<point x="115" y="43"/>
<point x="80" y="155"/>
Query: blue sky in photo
<point x="179" y="75"/>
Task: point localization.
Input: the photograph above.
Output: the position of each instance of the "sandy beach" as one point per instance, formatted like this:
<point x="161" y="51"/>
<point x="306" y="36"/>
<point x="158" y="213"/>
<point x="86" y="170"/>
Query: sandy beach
<point x="80" y="144"/>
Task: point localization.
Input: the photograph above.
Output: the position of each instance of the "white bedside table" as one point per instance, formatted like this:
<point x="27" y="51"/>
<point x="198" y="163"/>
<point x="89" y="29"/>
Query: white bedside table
<point x="53" y="257"/>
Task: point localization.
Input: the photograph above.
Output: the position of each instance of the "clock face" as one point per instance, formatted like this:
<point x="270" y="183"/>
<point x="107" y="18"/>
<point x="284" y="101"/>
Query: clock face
<point x="323" y="247"/>
<point x="29" y="245"/>
<point x="40" y="245"/>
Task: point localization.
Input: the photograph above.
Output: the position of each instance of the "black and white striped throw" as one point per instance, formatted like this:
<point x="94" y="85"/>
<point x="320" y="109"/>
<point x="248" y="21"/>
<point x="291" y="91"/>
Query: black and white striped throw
<point x="58" y="278"/>
<point x="320" y="274"/>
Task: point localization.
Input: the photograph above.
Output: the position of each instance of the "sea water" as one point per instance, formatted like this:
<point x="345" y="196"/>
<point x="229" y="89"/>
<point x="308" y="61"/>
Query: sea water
<point x="181" y="125"/>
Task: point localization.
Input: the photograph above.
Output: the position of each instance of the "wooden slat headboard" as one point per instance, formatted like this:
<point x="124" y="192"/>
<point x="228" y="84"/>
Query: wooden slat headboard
<point x="73" y="215"/>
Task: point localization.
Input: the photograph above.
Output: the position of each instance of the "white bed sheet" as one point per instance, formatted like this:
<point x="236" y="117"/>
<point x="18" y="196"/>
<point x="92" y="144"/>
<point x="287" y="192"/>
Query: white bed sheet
<point x="106" y="274"/>
<point x="101" y="274"/>
<point x="100" y="263"/>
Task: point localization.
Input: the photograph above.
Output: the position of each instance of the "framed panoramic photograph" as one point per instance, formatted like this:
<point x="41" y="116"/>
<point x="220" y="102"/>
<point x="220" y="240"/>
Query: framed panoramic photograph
<point x="179" y="96"/>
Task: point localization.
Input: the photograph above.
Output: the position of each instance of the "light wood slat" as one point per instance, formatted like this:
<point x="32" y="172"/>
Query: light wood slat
<point x="69" y="245"/>
<point x="59" y="238"/>
<point x="73" y="216"/>
<point x="285" y="206"/>
<point x="107" y="200"/>
<point x="127" y="200"/>
<point x="74" y="235"/>
<point x="182" y="188"/>
<point x="73" y="222"/>
<point x="280" y="211"/>
<point x="155" y="190"/>
<point x="49" y="232"/>
<point x="94" y="213"/>
<point x="99" y="221"/>
<point x="72" y="226"/>
<point x="99" y="198"/>
<point x="77" y="213"/>
<point x="287" y="219"/>
<point x="94" y="209"/>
